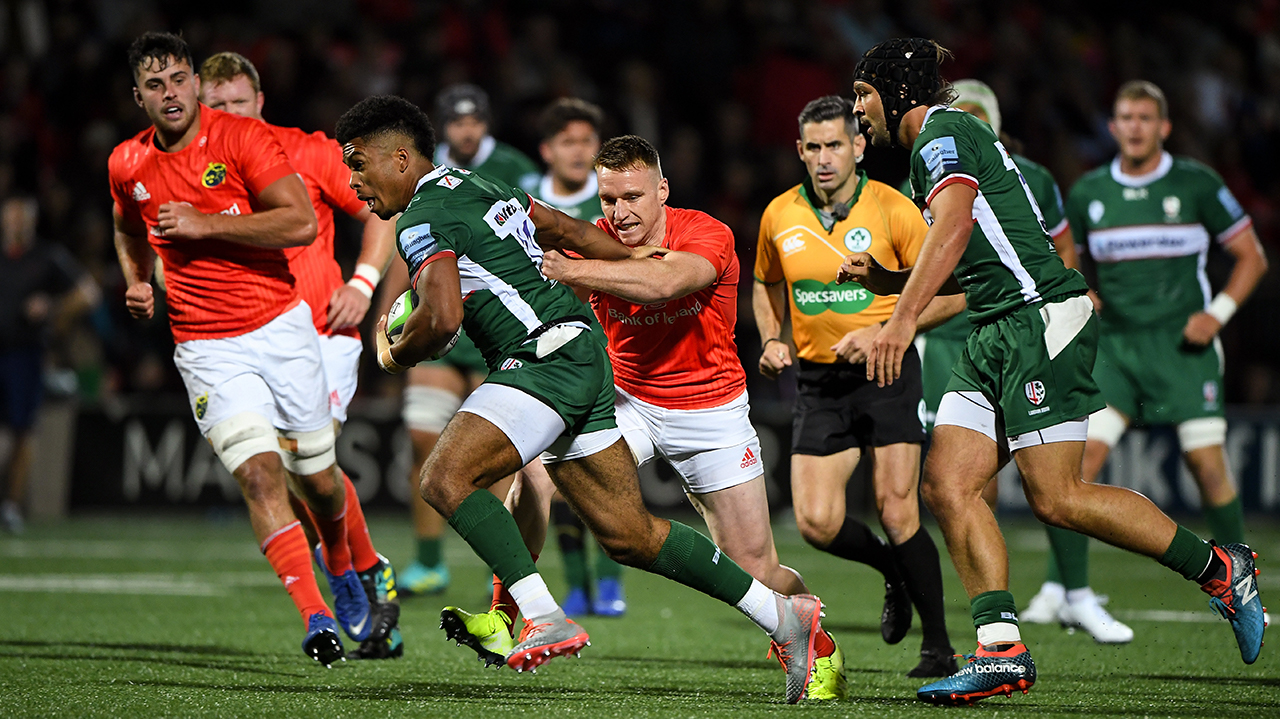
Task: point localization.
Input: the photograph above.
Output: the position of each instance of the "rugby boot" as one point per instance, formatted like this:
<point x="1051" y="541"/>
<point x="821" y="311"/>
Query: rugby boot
<point x="1045" y="605"/>
<point x="576" y="603"/>
<point x="321" y="642"/>
<point x="385" y="640"/>
<point x="540" y="642"/>
<point x="350" y="605"/>
<point x="935" y="662"/>
<point x="1087" y="613"/>
<point x="610" y="601"/>
<point x="827" y="682"/>
<point x="989" y="672"/>
<point x="488" y="634"/>
<point x="419" y="579"/>
<point x="895" y="618"/>
<point x="793" y="643"/>
<point x="1236" y="598"/>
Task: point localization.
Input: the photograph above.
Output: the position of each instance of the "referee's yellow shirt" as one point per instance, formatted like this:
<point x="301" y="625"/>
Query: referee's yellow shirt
<point x="794" y="246"/>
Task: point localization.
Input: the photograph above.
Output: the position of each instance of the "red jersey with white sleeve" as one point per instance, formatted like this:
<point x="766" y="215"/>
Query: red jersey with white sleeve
<point x="215" y="288"/>
<point x="318" y="159"/>
<point x="680" y="354"/>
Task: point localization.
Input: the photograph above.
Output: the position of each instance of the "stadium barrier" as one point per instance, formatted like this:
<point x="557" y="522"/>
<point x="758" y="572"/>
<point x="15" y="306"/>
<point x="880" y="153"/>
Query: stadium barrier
<point x="146" y="453"/>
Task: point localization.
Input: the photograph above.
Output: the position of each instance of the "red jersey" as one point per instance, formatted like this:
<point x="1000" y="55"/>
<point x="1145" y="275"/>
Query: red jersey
<point x="215" y="288"/>
<point x="680" y="354"/>
<point x="319" y="160"/>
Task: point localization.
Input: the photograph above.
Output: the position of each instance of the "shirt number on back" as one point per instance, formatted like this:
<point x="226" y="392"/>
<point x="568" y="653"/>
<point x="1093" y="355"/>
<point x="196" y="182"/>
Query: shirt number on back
<point x="1009" y="165"/>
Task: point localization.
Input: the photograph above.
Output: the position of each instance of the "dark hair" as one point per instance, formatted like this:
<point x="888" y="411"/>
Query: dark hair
<point x="830" y="107"/>
<point x="384" y="115"/>
<point x="227" y="66"/>
<point x="560" y="113"/>
<point x="158" y="47"/>
<point x="628" y="152"/>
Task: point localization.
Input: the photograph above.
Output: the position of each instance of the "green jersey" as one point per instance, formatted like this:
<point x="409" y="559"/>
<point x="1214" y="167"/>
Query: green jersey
<point x="496" y="161"/>
<point x="1010" y="261"/>
<point x="1150" y="237"/>
<point x="581" y="205"/>
<point x="485" y="225"/>
<point x="1048" y="198"/>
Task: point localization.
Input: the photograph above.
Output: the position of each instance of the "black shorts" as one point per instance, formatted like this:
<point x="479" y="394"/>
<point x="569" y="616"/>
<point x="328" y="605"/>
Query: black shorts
<point x="838" y="409"/>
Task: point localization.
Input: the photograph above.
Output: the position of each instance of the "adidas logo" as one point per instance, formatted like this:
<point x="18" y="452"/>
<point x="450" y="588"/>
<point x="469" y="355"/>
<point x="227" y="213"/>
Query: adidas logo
<point x="140" y="193"/>
<point x="749" y="459"/>
<point x="289" y="580"/>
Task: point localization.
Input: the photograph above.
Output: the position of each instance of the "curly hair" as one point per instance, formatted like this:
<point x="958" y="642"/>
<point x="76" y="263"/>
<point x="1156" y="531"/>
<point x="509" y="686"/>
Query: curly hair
<point x="156" y="48"/>
<point x="384" y="115"/>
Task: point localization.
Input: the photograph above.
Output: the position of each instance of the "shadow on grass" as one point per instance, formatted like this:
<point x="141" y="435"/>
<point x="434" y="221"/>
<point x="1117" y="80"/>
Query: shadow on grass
<point x="168" y="655"/>
<point x="205" y="649"/>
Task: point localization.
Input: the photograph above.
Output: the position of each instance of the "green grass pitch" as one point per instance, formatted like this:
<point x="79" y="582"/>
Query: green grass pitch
<point x="121" y="616"/>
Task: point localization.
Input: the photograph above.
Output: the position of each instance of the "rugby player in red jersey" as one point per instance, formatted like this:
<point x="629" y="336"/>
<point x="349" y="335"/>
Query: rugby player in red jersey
<point x="229" y="82"/>
<point x="214" y="198"/>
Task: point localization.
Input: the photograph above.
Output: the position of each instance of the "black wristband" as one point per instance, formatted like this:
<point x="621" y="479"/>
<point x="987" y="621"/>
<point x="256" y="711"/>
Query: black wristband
<point x="771" y="339"/>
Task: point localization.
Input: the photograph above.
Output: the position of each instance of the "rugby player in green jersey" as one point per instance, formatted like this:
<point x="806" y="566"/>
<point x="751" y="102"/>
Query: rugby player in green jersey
<point x="473" y="247"/>
<point x="1023" y="386"/>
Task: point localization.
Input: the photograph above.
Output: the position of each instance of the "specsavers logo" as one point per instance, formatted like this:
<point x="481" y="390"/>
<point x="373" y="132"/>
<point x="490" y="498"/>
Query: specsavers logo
<point x="813" y="297"/>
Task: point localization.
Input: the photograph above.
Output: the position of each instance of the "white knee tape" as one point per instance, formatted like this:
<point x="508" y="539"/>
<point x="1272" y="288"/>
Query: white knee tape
<point x="309" y="452"/>
<point x="1202" y="432"/>
<point x="241" y="437"/>
<point x="429" y="409"/>
<point x="1107" y="425"/>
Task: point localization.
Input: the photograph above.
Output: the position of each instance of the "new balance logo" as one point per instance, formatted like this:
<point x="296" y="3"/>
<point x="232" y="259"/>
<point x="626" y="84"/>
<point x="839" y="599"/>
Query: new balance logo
<point x="997" y="668"/>
<point x="749" y="459"/>
<point x="1246" y="590"/>
<point x="140" y="193"/>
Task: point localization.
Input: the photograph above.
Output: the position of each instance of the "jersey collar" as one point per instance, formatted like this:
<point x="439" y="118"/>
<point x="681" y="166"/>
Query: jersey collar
<point x="1166" y="164"/>
<point x="547" y="194"/>
<point x="808" y="193"/>
<point x="487" y="146"/>
<point x="438" y="172"/>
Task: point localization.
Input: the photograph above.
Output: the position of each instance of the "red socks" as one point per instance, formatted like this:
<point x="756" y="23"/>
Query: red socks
<point x="290" y="555"/>
<point x="333" y="539"/>
<point x="822" y="644"/>
<point x="503" y="600"/>
<point x="363" y="556"/>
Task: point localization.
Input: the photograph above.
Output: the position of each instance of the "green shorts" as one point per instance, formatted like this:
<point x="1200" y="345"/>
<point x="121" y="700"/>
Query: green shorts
<point x="1151" y="376"/>
<point x="575" y="380"/>
<point x="938" y="355"/>
<point x="1035" y="365"/>
<point x="464" y="357"/>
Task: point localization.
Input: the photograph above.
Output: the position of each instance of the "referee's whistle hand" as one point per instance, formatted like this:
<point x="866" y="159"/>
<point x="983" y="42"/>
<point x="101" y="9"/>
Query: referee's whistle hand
<point x="775" y="358"/>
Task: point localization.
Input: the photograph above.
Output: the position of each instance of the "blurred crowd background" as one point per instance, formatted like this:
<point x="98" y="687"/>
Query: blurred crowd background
<point x="716" y="85"/>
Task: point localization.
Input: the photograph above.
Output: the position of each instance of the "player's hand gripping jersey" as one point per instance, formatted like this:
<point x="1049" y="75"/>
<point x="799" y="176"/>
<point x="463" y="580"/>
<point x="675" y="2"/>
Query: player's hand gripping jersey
<point x="215" y="288"/>
<point x="795" y="246"/>
<point x="1010" y="261"/>
<point x="680" y="354"/>
<point x="318" y="159"/>
<point x="485" y="225"/>
<point x="1150" y="237"/>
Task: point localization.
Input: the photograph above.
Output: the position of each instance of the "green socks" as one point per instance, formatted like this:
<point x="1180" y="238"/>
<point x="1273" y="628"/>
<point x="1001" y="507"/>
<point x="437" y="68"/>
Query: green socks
<point x="993" y="608"/>
<point x="429" y="551"/>
<point x="1068" y="558"/>
<point x="1226" y="523"/>
<point x="694" y="561"/>
<point x="489" y="528"/>
<point x="1187" y="554"/>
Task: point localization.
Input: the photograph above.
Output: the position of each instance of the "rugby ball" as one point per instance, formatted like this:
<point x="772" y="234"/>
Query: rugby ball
<point x="399" y="314"/>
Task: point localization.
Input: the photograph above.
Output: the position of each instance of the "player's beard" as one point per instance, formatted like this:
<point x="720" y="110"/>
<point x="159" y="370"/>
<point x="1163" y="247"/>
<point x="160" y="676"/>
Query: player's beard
<point x="879" y="135"/>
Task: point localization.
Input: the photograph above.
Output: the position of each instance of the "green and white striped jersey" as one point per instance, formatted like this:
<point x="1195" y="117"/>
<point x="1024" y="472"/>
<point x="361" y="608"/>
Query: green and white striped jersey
<point x="1149" y="236"/>
<point x="581" y="205"/>
<point x="1010" y="261"/>
<point x="485" y="224"/>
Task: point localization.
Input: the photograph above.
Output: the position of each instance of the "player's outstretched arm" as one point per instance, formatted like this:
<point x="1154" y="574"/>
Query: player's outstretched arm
<point x="864" y="269"/>
<point x="952" y="209"/>
<point x="555" y="230"/>
<point x="137" y="261"/>
<point x="286" y="219"/>
<point x="767" y="302"/>
<point x="432" y="323"/>
<point x="657" y="278"/>
<point x="1251" y="265"/>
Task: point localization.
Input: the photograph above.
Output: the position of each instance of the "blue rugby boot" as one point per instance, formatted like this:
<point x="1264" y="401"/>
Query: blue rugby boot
<point x="350" y="605"/>
<point x="987" y="674"/>
<point x="322" y="643"/>
<point x="1235" y="597"/>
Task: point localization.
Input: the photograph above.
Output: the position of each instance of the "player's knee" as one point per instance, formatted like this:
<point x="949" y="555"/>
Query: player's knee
<point x="1202" y="432"/>
<point x="311" y="452"/>
<point x="241" y="437"/>
<point x="900" y="515"/>
<point x="818" y="528"/>
<point x="429" y="409"/>
<point x="1053" y="508"/>
<point x="935" y="494"/>
<point x="260" y="480"/>
<point x="627" y="548"/>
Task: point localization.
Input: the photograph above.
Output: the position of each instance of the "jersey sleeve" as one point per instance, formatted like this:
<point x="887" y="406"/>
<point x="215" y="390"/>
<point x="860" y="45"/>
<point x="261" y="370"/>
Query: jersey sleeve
<point x="333" y="177"/>
<point x="768" y="267"/>
<point x="1076" y="217"/>
<point x="1220" y="211"/>
<point x="907" y="226"/>
<point x="947" y="158"/>
<point x="711" y="239"/>
<point x="421" y="242"/>
<point x="260" y="156"/>
<point x="122" y="195"/>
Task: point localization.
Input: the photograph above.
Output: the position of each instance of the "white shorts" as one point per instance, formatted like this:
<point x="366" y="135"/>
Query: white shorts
<point x="534" y="428"/>
<point x="711" y="449"/>
<point x="274" y="371"/>
<point x="340" y="355"/>
<point x="972" y="410"/>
